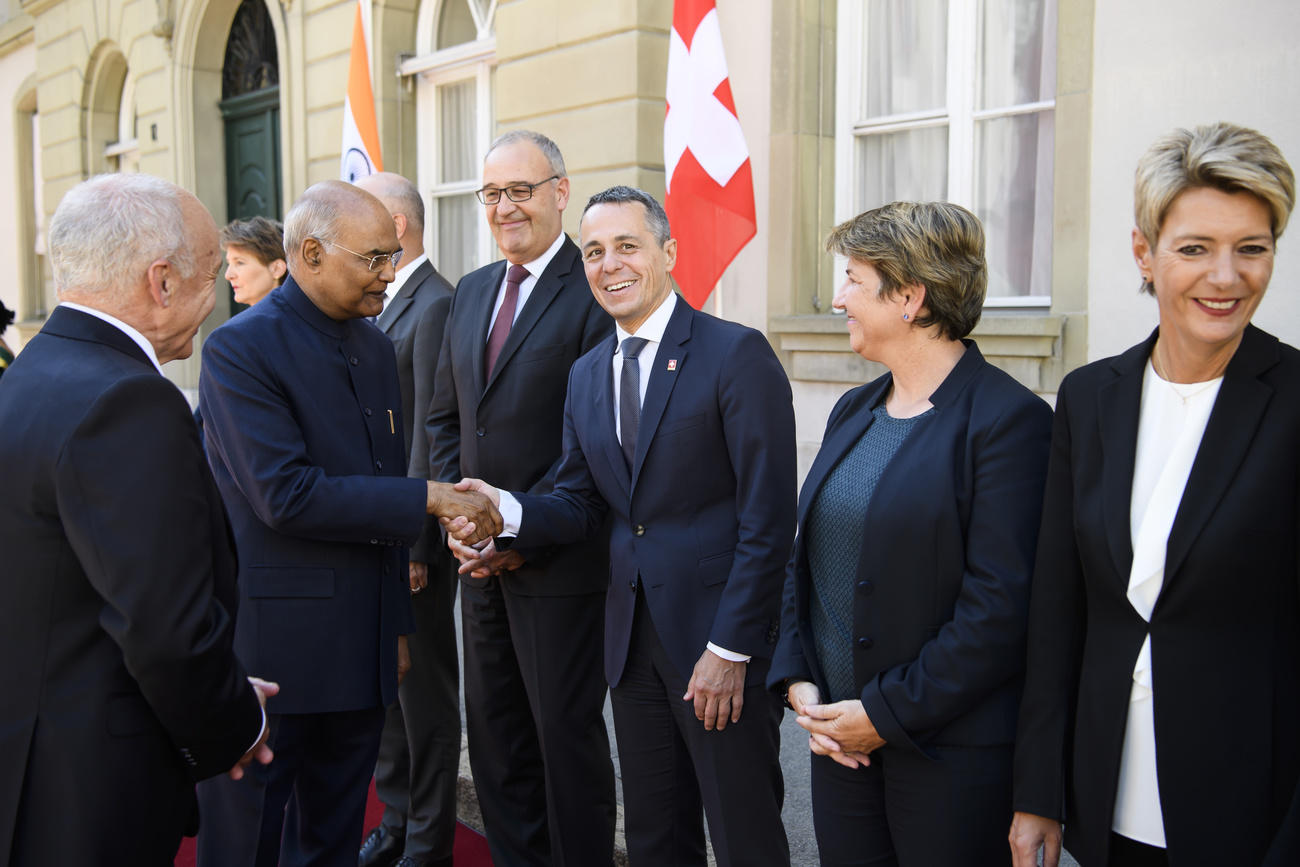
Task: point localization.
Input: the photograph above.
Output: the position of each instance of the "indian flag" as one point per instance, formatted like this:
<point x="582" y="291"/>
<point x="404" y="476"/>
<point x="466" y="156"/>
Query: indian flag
<point x="361" y="155"/>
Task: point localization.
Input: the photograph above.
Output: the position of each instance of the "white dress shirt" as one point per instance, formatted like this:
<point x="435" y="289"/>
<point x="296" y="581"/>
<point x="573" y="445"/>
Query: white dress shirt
<point x="534" y="269"/>
<point x="1171" y="423"/>
<point x="403" y="274"/>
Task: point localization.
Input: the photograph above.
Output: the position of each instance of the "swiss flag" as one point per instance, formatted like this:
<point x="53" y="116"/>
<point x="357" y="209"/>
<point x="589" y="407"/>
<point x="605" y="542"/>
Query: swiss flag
<point x="710" y="199"/>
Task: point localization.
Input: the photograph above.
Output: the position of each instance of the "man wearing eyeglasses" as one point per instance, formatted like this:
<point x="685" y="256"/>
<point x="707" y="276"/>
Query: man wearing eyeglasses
<point x="534" y="682"/>
<point x="306" y="439"/>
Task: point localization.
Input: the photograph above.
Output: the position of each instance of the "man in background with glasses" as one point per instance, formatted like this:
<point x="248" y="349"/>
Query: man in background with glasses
<point x="307" y="441"/>
<point x="534" y="682"/>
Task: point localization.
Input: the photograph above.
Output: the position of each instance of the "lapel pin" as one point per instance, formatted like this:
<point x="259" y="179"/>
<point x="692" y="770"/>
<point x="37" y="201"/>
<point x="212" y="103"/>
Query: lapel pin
<point x="672" y="364"/>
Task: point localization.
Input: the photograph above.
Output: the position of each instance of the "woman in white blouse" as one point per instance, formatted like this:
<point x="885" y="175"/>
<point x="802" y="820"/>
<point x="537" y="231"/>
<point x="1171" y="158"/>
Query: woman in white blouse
<point x="1161" y="714"/>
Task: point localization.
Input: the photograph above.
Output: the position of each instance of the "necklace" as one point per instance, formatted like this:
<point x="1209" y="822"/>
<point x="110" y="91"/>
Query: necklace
<point x="1184" y="390"/>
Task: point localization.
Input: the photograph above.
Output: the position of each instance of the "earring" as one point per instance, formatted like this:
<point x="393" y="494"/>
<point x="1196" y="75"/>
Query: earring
<point x="905" y="317"/>
<point x="1147" y="286"/>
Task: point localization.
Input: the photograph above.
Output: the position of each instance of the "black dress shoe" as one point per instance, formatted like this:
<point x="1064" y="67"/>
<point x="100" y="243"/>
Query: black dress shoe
<point x="408" y="861"/>
<point x="382" y="848"/>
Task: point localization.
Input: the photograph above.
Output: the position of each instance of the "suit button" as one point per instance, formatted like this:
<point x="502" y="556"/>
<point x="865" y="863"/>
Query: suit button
<point x="354" y="360"/>
<point x="631" y="585"/>
<point x="367" y="411"/>
<point x="379" y="465"/>
<point x="866" y="587"/>
<point x="374" y="541"/>
<point x="638" y="530"/>
<point x="866" y="643"/>
<point x="481" y="432"/>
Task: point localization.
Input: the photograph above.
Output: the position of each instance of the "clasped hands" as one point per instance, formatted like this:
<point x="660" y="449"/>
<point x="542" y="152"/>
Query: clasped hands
<point x="841" y="730"/>
<point x="470" y="510"/>
<point x="478" y="556"/>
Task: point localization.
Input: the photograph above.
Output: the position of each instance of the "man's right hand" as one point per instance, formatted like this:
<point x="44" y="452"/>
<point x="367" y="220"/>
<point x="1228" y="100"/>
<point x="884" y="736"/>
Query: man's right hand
<point x="259" y="751"/>
<point x="479" y="518"/>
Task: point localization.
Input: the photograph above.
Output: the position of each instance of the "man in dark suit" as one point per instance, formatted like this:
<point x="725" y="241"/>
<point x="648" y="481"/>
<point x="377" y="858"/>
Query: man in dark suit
<point x="120" y="682"/>
<point x="305" y="435"/>
<point x="682" y="431"/>
<point x="533" y="692"/>
<point x="419" y="754"/>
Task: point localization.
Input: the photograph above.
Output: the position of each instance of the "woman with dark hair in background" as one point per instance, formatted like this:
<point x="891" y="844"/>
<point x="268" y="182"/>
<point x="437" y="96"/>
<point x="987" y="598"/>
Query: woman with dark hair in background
<point x="902" y="630"/>
<point x="1161" y="716"/>
<point x="254" y="258"/>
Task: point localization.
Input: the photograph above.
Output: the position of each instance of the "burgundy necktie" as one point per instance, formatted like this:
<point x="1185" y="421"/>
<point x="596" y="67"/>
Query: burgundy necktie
<point x="505" y="316"/>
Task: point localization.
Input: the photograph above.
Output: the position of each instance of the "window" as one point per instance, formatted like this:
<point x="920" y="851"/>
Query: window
<point x="123" y="155"/>
<point x="954" y="100"/>
<point x="454" y="106"/>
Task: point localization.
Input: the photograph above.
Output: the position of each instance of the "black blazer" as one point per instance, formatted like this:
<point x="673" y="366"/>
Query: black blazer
<point x="1225" y="632"/>
<point x="942" y="587"/>
<point x="506" y="429"/>
<point x="119" y="680"/>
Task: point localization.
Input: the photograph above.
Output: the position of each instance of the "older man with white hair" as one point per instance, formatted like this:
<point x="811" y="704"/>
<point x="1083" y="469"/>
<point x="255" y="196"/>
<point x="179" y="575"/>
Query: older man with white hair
<point x="120" y="684"/>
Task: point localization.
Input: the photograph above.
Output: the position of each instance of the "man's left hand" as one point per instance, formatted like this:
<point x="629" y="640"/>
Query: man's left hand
<point x="717" y="687"/>
<point x="419" y="576"/>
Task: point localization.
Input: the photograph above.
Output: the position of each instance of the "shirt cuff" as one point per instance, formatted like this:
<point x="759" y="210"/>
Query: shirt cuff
<point x="728" y="655"/>
<point x="511" y="514"/>
<point x="260" y="732"/>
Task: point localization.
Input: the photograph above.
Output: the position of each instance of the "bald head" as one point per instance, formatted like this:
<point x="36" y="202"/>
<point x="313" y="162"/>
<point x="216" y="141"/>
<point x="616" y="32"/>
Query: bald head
<point x="402" y="199"/>
<point x="331" y="236"/>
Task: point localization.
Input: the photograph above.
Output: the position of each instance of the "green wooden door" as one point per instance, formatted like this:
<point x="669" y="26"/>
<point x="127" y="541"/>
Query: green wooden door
<point x="252" y="122"/>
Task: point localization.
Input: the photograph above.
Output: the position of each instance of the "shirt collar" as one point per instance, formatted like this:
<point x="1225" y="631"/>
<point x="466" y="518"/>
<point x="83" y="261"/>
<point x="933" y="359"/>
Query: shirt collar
<point x="130" y="332"/>
<point x="403" y="274"/>
<point x="538" y="265"/>
<point x="655" y="325"/>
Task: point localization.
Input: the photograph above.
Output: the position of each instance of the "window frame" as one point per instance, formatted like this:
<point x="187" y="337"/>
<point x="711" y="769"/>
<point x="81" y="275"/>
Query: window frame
<point x="959" y="115"/>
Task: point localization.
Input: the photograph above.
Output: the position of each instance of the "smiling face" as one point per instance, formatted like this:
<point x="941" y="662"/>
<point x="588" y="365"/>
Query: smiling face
<point x="872" y="320"/>
<point x="1210" y="267"/>
<point x="524" y="230"/>
<point x="625" y="265"/>
<point x="250" y="277"/>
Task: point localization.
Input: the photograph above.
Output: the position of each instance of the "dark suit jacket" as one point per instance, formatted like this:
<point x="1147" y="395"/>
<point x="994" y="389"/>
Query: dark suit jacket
<point x="416" y="338"/>
<point x="942" y="584"/>
<point x="313" y="471"/>
<point x="120" y="684"/>
<point x="506" y="429"/>
<point x="1225" y="632"/>
<point x="706" y="517"/>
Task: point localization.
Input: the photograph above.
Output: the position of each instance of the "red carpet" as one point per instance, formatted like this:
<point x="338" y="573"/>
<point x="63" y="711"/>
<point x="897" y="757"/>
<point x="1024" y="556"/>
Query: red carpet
<point x="470" y="848"/>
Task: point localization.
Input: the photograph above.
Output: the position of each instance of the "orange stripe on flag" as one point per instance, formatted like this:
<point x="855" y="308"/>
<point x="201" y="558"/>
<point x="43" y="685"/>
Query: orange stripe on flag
<point x="360" y="95"/>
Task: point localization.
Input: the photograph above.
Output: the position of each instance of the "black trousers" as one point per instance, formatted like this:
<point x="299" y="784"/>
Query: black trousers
<point x="306" y="807"/>
<point x="1125" y="852"/>
<point x="906" y="810"/>
<point x="534" y="700"/>
<point x="419" y="754"/>
<point x="672" y="767"/>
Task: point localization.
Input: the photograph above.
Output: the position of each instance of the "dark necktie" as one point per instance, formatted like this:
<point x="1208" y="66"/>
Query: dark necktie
<point x="505" y="316"/>
<point x="629" y="396"/>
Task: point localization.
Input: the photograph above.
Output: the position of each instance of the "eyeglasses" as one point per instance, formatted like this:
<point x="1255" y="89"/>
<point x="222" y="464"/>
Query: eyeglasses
<point x="514" y="192"/>
<point x="375" y="263"/>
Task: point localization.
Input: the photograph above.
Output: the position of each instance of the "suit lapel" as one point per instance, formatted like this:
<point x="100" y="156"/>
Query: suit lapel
<point x="403" y="298"/>
<point x="484" y="300"/>
<point x="1241" y="403"/>
<point x="836" y="445"/>
<point x="1118" y="404"/>
<point x="662" y="380"/>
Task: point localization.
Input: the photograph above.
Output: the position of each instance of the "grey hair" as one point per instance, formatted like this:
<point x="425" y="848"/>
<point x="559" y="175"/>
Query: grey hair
<point x="398" y="194"/>
<point x="312" y="216"/>
<point x="107" y="231"/>
<point x="549" y="149"/>
<point x="656" y="218"/>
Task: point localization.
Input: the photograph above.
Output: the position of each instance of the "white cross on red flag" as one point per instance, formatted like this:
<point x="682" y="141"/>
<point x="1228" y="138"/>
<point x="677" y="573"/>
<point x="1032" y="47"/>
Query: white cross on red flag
<point x="710" y="198"/>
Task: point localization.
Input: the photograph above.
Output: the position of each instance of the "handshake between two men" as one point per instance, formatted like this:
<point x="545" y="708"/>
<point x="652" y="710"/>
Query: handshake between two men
<point x="468" y="511"/>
